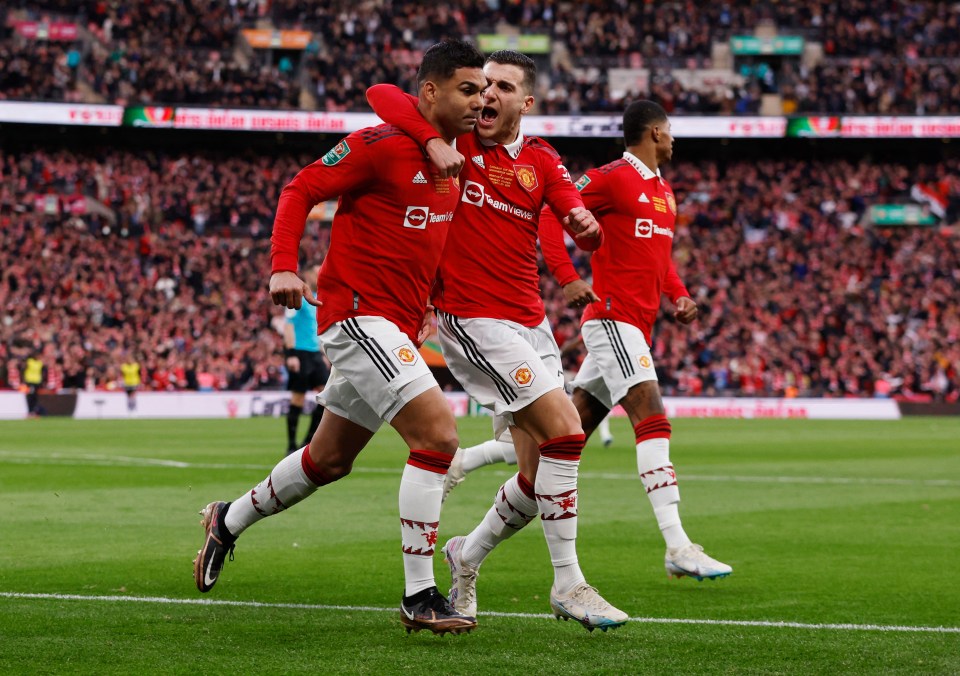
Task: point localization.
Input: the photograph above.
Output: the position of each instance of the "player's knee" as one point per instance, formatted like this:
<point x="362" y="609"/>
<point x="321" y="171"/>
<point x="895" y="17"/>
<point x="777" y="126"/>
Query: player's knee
<point x="445" y="441"/>
<point x="334" y="471"/>
<point x="644" y="399"/>
<point x="440" y="436"/>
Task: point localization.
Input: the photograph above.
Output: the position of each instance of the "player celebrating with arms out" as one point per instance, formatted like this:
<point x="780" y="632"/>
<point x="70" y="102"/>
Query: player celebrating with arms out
<point x="630" y="272"/>
<point x="494" y="332"/>
<point x="388" y="233"/>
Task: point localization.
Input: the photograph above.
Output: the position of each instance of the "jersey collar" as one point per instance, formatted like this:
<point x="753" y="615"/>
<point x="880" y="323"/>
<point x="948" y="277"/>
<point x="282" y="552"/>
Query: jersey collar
<point x="513" y="149"/>
<point x="638" y="164"/>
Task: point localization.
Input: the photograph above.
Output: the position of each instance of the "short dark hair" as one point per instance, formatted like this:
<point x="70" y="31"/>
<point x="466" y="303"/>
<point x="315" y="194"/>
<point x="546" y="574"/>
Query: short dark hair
<point x="639" y="116"/>
<point x="442" y="60"/>
<point x="510" y="57"/>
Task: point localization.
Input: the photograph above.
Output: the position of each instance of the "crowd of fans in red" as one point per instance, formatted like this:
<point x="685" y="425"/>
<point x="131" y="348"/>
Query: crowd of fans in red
<point x="798" y="296"/>
<point x="884" y="57"/>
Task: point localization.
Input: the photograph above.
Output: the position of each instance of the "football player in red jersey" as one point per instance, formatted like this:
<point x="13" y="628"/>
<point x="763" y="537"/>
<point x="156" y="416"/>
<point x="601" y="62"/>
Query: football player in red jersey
<point x="494" y="332"/>
<point x="388" y="234"/>
<point x="631" y="271"/>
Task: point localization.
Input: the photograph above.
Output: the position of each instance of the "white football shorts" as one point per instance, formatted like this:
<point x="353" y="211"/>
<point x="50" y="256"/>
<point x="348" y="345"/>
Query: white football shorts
<point x="618" y="358"/>
<point x="503" y="365"/>
<point x="376" y="371"/>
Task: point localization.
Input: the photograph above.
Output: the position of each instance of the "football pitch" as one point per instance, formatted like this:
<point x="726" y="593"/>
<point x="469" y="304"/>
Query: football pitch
<point x="843" y="537"/>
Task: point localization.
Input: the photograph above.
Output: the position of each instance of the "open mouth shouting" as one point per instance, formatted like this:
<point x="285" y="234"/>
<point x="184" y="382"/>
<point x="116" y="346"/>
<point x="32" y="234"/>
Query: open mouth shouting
<point x="488" y="117"/>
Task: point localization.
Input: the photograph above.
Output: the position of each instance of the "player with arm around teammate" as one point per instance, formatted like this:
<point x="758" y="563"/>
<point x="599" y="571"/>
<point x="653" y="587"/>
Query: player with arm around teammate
<point x="387" y="237"/>
<point x="493" y="329"/>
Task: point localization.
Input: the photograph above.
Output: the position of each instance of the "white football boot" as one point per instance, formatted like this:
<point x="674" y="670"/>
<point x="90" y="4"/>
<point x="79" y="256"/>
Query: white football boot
<point x="585" y="605"/>
<point x="463" y="578"/>
<point x="691" y="561"/>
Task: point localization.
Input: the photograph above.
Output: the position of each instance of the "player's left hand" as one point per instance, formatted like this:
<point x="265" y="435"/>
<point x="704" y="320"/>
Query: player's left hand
<point x="445" y="157"/>
<point x="426" y="326"/>
<point x="578" y="293"/>
<point x="686" y="311"/>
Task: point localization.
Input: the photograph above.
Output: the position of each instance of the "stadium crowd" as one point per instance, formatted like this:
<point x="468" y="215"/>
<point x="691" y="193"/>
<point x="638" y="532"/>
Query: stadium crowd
<point x="881" y="57"/>
<point x="797" y="295"/>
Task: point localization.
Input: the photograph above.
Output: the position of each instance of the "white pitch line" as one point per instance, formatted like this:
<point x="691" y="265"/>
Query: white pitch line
<point x="535" y="616"/>
<point x="102" y="460"/>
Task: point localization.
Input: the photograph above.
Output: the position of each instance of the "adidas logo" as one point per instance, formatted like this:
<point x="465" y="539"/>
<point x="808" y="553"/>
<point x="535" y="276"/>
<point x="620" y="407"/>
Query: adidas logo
<point x="643" y="198"/>
<point x="478" y="160"/>
<point x="419" y="178"/>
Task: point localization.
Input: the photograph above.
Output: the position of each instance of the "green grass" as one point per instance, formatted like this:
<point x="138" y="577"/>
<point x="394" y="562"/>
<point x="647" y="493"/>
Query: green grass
<point x="825" y="523"/>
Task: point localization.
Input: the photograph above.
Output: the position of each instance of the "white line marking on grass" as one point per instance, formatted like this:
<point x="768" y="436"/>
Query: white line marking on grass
<point x="103" y="460"/>
<point x="534" y="616"/>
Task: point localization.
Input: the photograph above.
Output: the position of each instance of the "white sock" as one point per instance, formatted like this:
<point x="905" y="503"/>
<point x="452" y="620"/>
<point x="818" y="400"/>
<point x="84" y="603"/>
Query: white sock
<point x="488" y="453"/>
<point x="660" y="482"/>
<point x="421" y="489"/>
<point x="604" y="429"/>
<point x="285" y="486"/>
<point x="513" y="508"/>
<point x="557" y="498"/>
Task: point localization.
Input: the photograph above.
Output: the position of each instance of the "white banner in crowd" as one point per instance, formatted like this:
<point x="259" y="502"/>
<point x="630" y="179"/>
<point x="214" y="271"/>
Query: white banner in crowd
<point x="232" y="119"/>
<point x="109" y="405"/>
<point x="813" y="409"/>
<point x="586" y="126"/>
<point x="113" y="405"/>
<point x="61" y="113"/>
<point x="13" y="406"/>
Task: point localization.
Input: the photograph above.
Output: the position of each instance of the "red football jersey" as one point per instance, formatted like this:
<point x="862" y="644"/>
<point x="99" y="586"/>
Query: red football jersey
<point x="489" y="266"/>
<point x="388" y="232"/>
<point x="634" y="266"/>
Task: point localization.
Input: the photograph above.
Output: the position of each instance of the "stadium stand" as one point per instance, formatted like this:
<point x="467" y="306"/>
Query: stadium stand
<point x="857" y="57"/>
<point x="800" y="297"/>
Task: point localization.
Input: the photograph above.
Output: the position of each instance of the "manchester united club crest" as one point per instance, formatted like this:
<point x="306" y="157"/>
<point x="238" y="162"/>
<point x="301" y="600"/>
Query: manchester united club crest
<point x="526" y="175"/>
<point x="523" y="375"/>
<point x="672" y="203"/>
<point x="406" y="355"/>
<point x="645" y="361"/>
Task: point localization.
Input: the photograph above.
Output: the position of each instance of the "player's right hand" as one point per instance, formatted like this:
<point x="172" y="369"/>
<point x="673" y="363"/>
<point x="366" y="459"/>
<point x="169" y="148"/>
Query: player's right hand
<point x="578" y="293"/>
<point x="445" y="157"/>
<point x="582" y="223"/>
<point x="288" y="290"/>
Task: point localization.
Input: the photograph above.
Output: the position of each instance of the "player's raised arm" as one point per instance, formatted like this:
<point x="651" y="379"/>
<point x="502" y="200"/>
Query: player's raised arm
<point x="400" y="109"/>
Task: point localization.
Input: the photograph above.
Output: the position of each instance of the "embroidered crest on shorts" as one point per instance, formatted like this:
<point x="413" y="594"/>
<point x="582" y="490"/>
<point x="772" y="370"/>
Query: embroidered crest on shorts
<point x="644" y="361"/>
<point x="406" y="355"/>
<point x="523" y="375"/>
